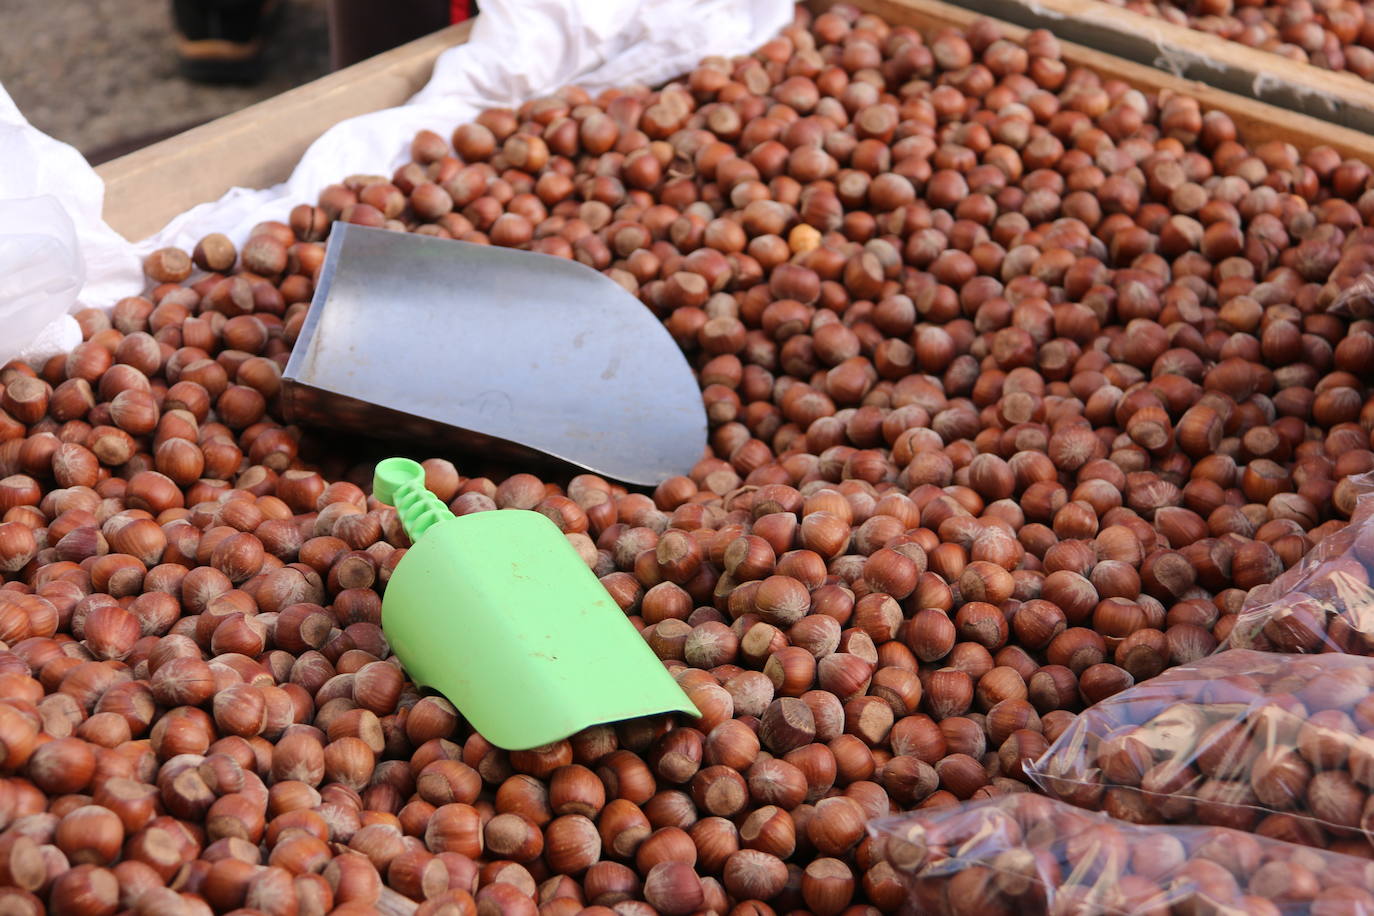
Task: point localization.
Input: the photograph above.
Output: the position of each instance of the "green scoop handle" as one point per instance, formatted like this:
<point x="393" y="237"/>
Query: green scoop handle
<point x="498" y="612"/>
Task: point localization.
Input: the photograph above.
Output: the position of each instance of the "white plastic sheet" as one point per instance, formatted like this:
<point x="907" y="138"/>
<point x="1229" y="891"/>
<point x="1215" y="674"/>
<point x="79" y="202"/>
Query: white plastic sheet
<point x="41" y="272"/>
<point x="34" y="165"/>
<point x="520" y="49"/>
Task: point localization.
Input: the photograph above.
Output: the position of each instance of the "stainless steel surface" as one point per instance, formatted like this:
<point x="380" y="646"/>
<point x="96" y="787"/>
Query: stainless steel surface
<point x="494" y="350"/>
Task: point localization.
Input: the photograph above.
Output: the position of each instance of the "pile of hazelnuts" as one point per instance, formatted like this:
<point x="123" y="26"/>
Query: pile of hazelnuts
<point x="1018" y="380"/>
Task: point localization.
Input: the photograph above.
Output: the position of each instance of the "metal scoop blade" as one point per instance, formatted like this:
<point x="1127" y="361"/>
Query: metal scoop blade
<point x="493" y="350"/>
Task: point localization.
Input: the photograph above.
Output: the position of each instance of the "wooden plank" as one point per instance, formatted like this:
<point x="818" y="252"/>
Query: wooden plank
<point x="258" y="146"/>
<point x="1337" y="96"/>
<point x="1256" y="121"/>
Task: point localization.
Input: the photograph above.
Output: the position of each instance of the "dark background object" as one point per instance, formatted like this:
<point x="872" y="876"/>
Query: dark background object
<point x="358" y="29"/>
<point x="102" y="74"/>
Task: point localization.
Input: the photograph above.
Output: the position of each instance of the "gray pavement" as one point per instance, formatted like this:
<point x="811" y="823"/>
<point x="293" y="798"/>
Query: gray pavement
<point x="101" y="75"/>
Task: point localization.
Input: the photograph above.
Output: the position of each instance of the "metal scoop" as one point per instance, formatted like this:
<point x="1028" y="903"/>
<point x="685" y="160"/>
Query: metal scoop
<point x="498" y="612"/>
<point x="504" y="352"/>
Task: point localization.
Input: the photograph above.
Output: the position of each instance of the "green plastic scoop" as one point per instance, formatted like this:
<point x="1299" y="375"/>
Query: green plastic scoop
<point x="498" y="612"/>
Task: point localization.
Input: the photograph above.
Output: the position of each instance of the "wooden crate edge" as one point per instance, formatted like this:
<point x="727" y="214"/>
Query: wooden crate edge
<point x="259" y="145"/>
<point x="1257" y="121"/>
<point x="1339" y="97"/>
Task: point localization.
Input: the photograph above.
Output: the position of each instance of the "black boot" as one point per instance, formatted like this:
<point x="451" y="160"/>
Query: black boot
<point x="220" y="41"/>
<point x="358" y="29"/>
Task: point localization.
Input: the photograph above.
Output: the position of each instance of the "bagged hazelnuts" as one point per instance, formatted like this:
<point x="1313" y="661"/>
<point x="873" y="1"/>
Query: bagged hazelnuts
<point x="1326" y="602"/>
<point x="1023" y="854"/>
<point x="1278" y="745"/>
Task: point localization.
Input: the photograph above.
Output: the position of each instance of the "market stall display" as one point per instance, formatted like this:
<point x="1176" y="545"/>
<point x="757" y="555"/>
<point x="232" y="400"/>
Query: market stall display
<point x="1019" y="379"/>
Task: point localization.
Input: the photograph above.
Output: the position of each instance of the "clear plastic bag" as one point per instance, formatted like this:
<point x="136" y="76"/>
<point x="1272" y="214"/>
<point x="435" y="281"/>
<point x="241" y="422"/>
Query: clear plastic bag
<point x="1281" y="745"/>
<point x="41" y="271"/>
<point x="1024" y="855"/>
<point x="1349" y="287"/>
<point x="1325" y="603"/>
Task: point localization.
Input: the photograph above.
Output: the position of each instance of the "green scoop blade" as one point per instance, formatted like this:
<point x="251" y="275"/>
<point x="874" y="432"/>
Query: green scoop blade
<point x="498" y="612"/>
